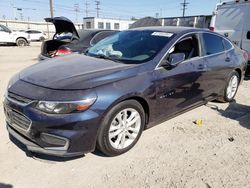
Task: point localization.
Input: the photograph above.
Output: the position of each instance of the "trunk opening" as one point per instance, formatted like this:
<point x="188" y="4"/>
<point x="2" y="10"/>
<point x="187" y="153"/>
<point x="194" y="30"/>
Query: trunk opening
<point x="49" y="47"/>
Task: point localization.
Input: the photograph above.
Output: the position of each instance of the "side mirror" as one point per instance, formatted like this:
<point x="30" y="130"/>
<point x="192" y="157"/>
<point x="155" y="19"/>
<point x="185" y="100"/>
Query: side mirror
<point x="175" y="59"/>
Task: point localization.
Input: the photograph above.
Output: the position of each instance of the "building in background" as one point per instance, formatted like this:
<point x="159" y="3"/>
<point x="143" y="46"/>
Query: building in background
<point x="201" y="21"/>
<point x="104" y="23"/>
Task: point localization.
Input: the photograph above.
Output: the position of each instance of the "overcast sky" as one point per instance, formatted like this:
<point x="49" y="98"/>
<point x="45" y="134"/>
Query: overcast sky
<point x="123" y="9"/>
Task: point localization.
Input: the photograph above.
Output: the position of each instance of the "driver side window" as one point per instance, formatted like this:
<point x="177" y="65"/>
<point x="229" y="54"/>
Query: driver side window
<point x="1" y="29"/>
<point x="189" y="46"/>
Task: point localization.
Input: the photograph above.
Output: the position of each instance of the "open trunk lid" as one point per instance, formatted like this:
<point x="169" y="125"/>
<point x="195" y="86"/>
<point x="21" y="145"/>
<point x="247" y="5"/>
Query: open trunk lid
<point x="62" y="25"/>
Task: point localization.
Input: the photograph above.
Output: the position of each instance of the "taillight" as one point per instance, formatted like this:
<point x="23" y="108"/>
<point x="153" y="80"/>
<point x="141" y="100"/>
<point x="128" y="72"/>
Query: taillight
<point x="60" y="52"/>
<point x="245" y="55"/>
<point x="211" y="28"/>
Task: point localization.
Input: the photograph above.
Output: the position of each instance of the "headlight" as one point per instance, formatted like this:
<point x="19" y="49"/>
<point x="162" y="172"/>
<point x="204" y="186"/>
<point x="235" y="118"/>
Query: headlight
<point x="65" y="107"/>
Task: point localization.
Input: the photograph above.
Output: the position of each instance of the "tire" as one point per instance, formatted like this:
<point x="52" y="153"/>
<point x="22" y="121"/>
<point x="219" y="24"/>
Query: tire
<point x="231" y="88"/>
<point x="21" y="42"/>
<point x="41" y="39"/>
<point x="116" y="137"/>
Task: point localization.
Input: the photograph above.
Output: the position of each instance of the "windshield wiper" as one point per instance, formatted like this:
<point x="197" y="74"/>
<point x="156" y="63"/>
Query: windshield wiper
<point x="102" y="56"/>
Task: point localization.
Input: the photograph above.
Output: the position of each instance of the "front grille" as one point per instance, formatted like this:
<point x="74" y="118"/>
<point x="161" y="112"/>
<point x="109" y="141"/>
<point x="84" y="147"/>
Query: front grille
<point x="19" y="98"/>
<point x="17" y="120"/>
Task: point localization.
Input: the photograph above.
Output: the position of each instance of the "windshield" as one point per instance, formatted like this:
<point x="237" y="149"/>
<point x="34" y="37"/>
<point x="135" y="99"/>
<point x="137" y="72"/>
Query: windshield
<point x="131" y="46"/>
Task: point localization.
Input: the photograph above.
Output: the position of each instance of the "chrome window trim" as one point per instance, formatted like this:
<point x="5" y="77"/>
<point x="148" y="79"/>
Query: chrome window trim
<point x="194" y="32"/>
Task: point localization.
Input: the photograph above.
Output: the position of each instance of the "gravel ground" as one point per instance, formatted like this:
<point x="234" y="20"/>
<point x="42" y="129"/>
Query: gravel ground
<point x="176" y="153"/>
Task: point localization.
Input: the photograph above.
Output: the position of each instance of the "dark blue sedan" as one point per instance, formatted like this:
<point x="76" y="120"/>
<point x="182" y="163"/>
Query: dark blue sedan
<point x="124" y="84"/>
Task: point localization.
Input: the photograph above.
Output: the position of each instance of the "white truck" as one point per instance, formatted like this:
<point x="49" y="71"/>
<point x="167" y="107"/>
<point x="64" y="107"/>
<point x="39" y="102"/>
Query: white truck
<point x="231" y="19"/>
<point x="9" y="37"/>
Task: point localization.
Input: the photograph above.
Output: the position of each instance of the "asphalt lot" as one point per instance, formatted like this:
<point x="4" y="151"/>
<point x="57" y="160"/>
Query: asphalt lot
<point x="176" y="153"/>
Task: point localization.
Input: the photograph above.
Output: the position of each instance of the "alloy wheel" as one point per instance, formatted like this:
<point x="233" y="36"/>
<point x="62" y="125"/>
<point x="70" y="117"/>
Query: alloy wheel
<point x="232" y="87"/>
<point x="124" y="128"/>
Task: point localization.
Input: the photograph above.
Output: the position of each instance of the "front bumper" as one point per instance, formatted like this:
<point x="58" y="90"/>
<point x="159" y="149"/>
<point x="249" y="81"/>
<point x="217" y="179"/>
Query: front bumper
<point x="64" y="135"/>
<point x="33" y="147"/>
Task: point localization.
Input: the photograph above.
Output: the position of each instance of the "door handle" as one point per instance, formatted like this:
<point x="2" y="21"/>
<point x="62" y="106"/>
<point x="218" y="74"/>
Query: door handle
<point x="228" y="59"/>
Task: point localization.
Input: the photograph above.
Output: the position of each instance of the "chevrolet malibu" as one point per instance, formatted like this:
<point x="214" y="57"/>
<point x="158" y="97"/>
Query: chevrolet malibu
<point x="126" y="83"/>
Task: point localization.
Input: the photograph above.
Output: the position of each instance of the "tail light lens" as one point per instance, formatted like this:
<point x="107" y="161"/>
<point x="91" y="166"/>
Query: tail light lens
<point x="211" y="28"/>
<point x="64" y="51"/>
<point x="245" y="55"/>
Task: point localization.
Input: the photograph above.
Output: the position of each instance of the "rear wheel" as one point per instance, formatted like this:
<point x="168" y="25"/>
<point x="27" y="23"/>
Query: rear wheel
<point x="21" y="42"/>
<point x="41" y="39"/>
<point x="121" y="128"/>
<point x="231" y="87"/>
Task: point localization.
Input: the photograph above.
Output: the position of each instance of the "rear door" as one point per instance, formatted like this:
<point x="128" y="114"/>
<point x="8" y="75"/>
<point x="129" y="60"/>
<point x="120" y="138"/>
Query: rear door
<point x="218" y="61"/>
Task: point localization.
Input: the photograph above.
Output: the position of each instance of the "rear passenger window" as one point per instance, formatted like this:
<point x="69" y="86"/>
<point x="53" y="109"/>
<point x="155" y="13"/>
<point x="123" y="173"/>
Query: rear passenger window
<point x="227" y="44"/>
<point x="213" y="44"/>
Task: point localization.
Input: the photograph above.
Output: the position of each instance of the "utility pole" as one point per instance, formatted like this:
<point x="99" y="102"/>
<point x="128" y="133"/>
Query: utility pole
<point x="184" y="7"/>
<point x="76" y="9"/>
<point x="51" y="8"/>
<point x="97" y="8"/>
<point x="86" y="8"/>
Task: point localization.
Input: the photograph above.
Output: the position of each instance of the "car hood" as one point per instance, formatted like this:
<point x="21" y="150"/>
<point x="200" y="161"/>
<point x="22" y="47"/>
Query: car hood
<point x="63" y="24"/>
<point x="75" y="71"/>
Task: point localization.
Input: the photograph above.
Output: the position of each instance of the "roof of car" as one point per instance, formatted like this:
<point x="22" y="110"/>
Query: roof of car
<point x="170" y="29"/>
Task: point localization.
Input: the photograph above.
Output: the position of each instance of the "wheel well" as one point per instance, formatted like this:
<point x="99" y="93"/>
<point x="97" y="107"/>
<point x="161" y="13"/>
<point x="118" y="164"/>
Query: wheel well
<point x="144" y="104"/>
<point x="21" y="38"/>
<point x="239" y="72"/>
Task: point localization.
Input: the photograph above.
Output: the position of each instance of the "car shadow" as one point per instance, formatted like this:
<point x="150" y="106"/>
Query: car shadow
<point x="235" y="111"/>
<point x="3" y="185"/>
<point x="41" y="157"/>
<point x="99" y="153"/>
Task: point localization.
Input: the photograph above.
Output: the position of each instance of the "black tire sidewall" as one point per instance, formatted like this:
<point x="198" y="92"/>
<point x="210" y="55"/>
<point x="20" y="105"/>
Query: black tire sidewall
<point x="103" y="142"/>
<point x="234" y="73"/>
<point x="42" y="39"/>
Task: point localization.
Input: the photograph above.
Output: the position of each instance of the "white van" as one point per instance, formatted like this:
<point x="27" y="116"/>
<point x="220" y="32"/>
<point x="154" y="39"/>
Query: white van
<point x="232" y="19"/>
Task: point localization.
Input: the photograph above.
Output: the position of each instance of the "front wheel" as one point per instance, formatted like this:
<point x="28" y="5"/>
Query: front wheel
<point x="231" y="87"/>
<point x="121" y="128"/>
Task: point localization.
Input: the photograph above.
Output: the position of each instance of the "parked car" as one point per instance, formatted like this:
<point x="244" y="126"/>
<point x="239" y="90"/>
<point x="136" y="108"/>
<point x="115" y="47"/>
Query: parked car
<point x="231" y="20"/>
<point x="15" y="37"/>
<point x="36" y="35"/>
<point x="69" y="40"/>
<point x="124" y="84"/>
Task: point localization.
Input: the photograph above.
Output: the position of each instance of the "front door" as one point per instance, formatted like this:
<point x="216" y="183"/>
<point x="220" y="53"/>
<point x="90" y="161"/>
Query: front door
<point x="180" y="87"/>
<point x="4" y="35"/>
